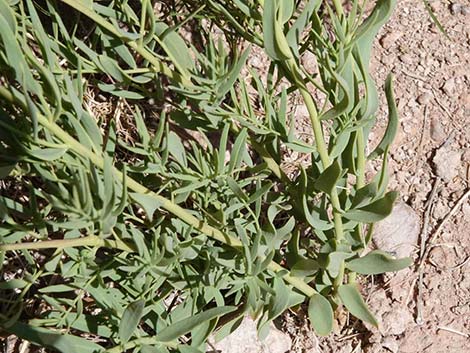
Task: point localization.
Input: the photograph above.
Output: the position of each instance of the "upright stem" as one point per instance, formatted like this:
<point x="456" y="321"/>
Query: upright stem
<point x="321" y="145"/>
<point x="338" y="7"/>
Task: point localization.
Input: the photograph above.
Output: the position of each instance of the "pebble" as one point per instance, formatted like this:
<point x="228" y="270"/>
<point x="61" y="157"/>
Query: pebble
<point x="245" y="340"/>
<point x="399" y="232"/>
<point x="389" y="39"/>
<point x="449" y="87"/>
<point x="424" y="98"/>
<point x="455" y="8"/>
<point x="396" y="320"/>
<point x="447" y="163"/>
<point x="438" y="133"/>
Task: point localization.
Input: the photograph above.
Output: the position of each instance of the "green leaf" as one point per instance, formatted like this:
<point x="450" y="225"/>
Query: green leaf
<point x="334" y="261"/>
<point x="112" y="68"/>
<point x="7" y="13"/>
<point x="236" y="189"/>
<point x="48" y="154"/>
<point x="374" y="212"/>
<point x="353" y="301"/>
<point x="184" y="326"/>
<point x="275" y="42"/>
<point x="130" y="320"/>
<point x="48" y="338"/>
<point x="392" y="126"/>
<point x="329" y="178"/>
<point x="377" y="262"/>
<point x="13" y="284"/>
<point x="148" y="203"/>
<point x="176" y="148"/>
<point x="305" y="268"/>
<point x="320" y="314"/>
<point x="295" y="31"/>
<point x="175" y="48"/>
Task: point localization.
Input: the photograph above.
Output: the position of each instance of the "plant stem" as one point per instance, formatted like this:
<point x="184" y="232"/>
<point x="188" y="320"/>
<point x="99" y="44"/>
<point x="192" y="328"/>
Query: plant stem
<point x="361" y="160"/>
<point x="360" y="182"/>
<point x="320" y="143"/>
<point x="338" y="7"/>
<point x="91" y="240"/>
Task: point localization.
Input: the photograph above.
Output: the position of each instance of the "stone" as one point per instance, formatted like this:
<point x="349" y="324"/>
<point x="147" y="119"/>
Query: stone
<point x="449" y="87"/>
<point x="396" y="321"/>
<point x="398" y="233"/>
<point x="389" y="39"/>
<point x="406" y="58"/>
<point x="447" y="162"/>
<point x="438" y="133"/>
<point x="245" y="340"/>
<point x="424" y="98"/>
<point x="455" y="8"/>
<point x="391" y="344"/>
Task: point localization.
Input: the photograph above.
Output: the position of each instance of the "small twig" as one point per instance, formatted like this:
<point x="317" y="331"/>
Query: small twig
<point x="443" y="107"/>
<point x="416" y="77"/>
<point x="422" y="251"/>
<point x="448" y="329"/>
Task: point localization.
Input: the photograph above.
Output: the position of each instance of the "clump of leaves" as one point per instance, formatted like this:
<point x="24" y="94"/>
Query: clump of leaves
<point x="157" y="242"/>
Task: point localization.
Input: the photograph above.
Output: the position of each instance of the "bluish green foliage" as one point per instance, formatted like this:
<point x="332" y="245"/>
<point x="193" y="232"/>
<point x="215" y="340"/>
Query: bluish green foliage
<point x="150" y="228"/>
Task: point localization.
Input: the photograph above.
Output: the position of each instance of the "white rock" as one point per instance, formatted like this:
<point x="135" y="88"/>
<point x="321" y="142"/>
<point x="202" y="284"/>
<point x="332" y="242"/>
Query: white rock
<point x="447" y="163"/>
<point x="399" y="232"/>
<point x="449" y="87"/>
<point x="245" y="340"/>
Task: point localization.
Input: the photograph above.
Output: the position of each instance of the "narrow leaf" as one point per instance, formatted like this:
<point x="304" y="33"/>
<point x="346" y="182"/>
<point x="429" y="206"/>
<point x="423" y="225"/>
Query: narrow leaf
<point x="182" y="327"/>
<point x="375" y="211"/>
<point x="130" y="320"/>
<point x="353" y="301"/>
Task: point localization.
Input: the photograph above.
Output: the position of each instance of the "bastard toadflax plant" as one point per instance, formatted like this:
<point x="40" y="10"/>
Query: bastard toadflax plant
<point x="171" y="216"/>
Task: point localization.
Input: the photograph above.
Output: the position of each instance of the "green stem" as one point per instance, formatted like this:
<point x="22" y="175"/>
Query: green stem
<point x="338" y="7"/>
<point x="361" y="160"/>
<point x="91" y="240"/>
<point x="360" y="182"/>
<point x="320" y="143"/>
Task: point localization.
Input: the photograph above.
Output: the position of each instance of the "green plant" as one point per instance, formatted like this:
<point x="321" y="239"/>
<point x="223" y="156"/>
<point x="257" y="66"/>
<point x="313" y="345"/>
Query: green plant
<point x="156" y="240"/>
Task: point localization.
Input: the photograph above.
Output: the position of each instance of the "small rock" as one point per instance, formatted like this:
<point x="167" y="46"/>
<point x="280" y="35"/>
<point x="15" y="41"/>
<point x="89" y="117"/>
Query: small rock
<point x="447" y="163"/>
<point x="424" y="98"/>
<point x="389" y="39"/>
<point x="455" y="9"/>
<point x="449" y="87"/>
<point x="390" y="344"/>
<point x="440" y="210"/>
<point x="438" y="133"/>
<point x="406" y="58"/>
<point x="399" y="232"/>
<point x="245" y="340"/>
<point x="465" y="10"/>
<point x="466" y="210"/>
<point x="396" y="320"/>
